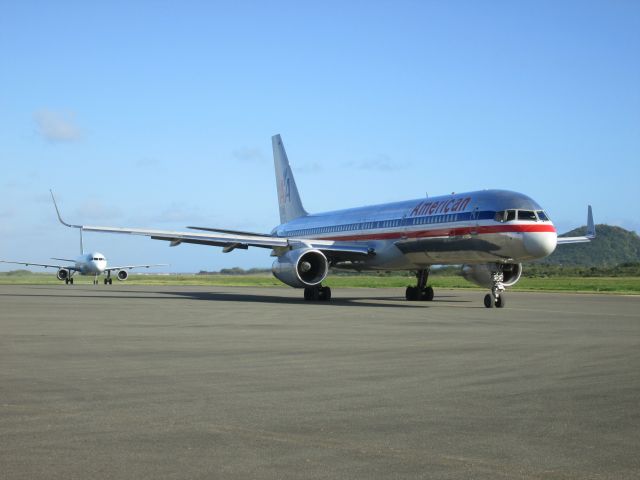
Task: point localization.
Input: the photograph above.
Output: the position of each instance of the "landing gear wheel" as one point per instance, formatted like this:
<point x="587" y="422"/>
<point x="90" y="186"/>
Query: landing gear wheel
<point x="66" y="281"/>
<point x="412" y="294"/>
<point x="324" y="294"/>
<point x="71" y="281"/>
<point x="105" y="281"/>
<point x="427" y="294"/>
<point x="111" y="281"/>
<point x="488" y="300"/>
<point x="311" y="294"/>
<point x="500" y="301"/>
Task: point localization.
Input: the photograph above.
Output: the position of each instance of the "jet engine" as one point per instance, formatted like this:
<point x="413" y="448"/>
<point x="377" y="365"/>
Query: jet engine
<point x="62" y="274"/>
<point x="122" y="275"/>
<point x="481" y="274"/>
<point x="303" y="267"/>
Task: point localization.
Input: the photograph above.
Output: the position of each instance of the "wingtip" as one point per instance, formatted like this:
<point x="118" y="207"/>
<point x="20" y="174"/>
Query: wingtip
<point x="55" y="204"/>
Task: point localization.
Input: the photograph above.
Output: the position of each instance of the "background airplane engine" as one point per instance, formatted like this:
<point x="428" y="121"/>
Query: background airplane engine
<point x="62" y="274"/>
<point x="122" y="275"/>
<point x="481" y="274"/>
<point x="303" y="267"/>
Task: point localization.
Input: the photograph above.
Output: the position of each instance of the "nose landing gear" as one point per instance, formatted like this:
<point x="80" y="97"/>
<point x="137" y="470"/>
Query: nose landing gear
<point x="496" y="297"/>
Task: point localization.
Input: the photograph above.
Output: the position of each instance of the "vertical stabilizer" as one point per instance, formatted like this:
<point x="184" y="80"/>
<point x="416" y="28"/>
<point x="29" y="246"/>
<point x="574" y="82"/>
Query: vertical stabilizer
<point x="288" y="196"/>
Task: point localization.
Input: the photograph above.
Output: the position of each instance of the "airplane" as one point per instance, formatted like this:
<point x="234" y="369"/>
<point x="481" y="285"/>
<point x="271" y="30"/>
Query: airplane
<point x="93" y="263"/>
<point x="489" y="232"/>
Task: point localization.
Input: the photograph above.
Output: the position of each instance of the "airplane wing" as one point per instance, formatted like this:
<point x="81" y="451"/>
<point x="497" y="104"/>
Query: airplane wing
<point x="591" y="232"/>
<point x="232" y="239"/>
<point x="241" y="240"/>
<point x="129" y="267"/>
<point x="68" y="267"/>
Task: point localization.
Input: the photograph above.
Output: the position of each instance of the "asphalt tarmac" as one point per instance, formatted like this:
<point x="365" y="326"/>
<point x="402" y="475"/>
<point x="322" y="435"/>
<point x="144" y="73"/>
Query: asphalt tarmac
<point x="137" y="382"/>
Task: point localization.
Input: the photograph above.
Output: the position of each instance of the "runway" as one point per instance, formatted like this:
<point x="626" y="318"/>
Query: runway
<point x="138" y="382"/>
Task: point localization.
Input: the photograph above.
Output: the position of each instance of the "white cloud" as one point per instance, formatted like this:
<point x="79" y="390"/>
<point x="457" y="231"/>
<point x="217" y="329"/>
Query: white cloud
<point x="92" y="210"/>
<point x="247" y="154"/>
<point x="313" y="167"/>
<point x="380" y="163"/>
<point x="7" y="213"/>
<point x="57" y="126"/>
<point x="177" y="213"/>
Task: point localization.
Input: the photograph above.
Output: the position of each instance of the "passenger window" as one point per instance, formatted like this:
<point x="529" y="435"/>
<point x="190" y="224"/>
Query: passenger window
<point x="526" y="215"/>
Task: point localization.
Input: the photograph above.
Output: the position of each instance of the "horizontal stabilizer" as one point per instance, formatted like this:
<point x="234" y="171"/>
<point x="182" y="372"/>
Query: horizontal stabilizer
<point x="590" y="235"/>
<point x="63" y="259"/>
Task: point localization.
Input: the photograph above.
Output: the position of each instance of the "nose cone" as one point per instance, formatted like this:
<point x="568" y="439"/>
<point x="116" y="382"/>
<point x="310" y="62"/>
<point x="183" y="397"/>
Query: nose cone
<point x="540" y="244"/>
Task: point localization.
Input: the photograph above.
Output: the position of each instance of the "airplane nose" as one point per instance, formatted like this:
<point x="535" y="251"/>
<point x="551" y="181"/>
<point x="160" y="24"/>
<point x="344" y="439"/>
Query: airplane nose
<point x="540" y="244"/>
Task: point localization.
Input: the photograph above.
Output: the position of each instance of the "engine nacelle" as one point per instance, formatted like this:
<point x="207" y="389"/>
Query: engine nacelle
<point x="481" y="274"/>
<point x="303" y="267"/>
<point x="62" y="274"/>
<point x="122" y="275"/>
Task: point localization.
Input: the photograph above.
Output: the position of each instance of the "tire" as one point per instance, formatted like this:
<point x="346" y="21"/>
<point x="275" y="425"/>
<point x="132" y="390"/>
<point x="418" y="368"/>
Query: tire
<point x="111" y="281"/>
<point x="71" y="281"/>
<point x="412" y="294"/>
<point x="312" y="294"/>
<point x="500" y="302"/>
<point x="488" y="300"/>
<point x="325" y="294"/>
<point x="427" y="294"/>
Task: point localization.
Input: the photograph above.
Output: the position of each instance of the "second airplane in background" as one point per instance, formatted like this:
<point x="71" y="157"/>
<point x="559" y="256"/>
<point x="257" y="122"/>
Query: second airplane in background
<point x="87" y="264"/>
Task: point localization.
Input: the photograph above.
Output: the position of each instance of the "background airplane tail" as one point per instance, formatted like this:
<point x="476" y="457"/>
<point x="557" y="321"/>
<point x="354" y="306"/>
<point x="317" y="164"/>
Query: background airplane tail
<point x="288" y="196"/>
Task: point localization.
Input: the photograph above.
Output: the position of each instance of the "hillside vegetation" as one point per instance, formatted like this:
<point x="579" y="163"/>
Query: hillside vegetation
<point x="612" y="246"/>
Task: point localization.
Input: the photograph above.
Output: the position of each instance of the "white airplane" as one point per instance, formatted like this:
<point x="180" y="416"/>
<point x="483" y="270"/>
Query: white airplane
<point x="93" y="263"/>
<point x="489" y="232"/>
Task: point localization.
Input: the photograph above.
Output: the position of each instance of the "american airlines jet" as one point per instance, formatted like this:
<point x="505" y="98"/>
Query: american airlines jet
<point x="490" y="232"/>
<point x="93" y="263"/>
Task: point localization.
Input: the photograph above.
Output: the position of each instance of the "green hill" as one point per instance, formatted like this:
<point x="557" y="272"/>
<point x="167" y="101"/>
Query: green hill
<point x="612" y="246"/>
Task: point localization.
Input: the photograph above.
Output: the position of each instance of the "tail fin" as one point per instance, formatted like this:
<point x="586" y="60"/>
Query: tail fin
<point x="288" y="196"/>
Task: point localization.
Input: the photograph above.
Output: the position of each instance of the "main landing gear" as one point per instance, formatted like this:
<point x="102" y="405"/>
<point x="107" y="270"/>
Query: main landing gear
<point x="420" y="291"/>
<point x="317" y="293"/>
<point x="496" y="297"/>
<point x="68" y="280"/>
<point x="108" y="280"/>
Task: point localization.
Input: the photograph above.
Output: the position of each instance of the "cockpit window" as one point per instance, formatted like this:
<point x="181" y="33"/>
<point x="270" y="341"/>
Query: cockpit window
<point x="527" y="215"/>
<point x="505" y="216"/>
<point x="542" y="216"/>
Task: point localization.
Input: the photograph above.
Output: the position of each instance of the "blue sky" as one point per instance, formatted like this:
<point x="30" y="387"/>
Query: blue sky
<point x="160" y="114"/>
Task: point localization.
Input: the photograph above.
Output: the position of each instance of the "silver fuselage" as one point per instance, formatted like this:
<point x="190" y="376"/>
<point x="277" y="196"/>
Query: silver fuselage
<point x="453" y="229"/>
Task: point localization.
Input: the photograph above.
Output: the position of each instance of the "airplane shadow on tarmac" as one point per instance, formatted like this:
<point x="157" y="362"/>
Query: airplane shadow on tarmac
<point x="226" y="296"/>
